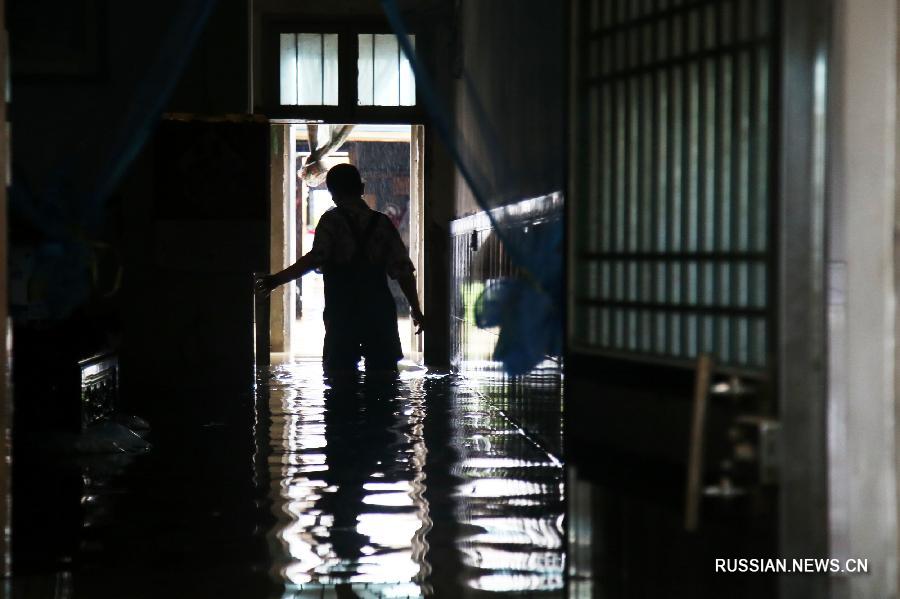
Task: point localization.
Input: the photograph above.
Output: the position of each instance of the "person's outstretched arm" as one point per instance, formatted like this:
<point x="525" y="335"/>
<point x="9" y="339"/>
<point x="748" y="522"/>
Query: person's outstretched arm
<point x="294" y="271"/>
<point x="400" y="268"/>
<point x="407" y="282"/>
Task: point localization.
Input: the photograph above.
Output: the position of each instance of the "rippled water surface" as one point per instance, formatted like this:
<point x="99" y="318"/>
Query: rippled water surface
<point x="403" y="488"/>
<point x="298" y="488"/>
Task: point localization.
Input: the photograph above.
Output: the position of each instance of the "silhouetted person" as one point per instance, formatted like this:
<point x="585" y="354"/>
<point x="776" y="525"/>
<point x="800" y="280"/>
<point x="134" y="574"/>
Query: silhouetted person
<point x="356" y="248"/>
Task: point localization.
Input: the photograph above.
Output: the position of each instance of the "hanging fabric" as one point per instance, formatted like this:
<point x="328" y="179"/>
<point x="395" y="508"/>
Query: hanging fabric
<point x="314" y="168"/>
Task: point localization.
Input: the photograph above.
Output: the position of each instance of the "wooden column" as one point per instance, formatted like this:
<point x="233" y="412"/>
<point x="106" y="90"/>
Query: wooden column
<point x="282" y="213"/>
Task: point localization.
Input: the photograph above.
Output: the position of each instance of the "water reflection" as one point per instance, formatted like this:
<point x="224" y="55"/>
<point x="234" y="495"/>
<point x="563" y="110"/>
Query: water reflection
<point x="404" y="488"/>
<point x="346" y="464"/>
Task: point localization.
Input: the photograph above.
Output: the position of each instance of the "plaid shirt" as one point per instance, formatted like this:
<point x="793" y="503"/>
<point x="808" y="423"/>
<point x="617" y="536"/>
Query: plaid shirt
<point x="334" y="242"/>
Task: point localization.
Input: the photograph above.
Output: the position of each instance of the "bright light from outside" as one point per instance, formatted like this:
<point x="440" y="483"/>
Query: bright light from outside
<point x="309" y="69"/>
<point x="385" y="77"/>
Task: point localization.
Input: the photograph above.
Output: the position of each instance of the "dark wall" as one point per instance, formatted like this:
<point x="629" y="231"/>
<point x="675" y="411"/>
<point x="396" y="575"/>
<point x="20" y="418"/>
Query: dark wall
<point x="511" y="98"/>
<point x="63" y="114"/>
<point x="196" y="215"/>
<point x="76" y="78"/>
<point x="216" y="79"/>
<point x="196" y="212"/>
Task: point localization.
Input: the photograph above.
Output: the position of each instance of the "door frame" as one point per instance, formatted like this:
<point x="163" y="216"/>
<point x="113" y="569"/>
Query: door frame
<point x="283" y="218"/>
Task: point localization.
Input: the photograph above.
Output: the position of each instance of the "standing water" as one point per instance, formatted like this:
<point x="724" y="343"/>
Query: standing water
<point x="404" y="488"/>
<point x="303" y="487"/>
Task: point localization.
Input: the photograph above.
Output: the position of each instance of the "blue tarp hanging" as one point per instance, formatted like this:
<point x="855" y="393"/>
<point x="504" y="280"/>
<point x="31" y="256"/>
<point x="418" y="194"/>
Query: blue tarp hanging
<point x="527" y="308"/>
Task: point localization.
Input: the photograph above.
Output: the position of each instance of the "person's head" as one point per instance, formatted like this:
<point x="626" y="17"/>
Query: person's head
<point x="344" y="182"/>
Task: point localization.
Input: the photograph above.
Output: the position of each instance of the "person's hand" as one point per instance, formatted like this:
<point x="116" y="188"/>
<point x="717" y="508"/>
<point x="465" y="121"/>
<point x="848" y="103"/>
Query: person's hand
<point x="419" y="321"/>
<point x="264" y="284"/>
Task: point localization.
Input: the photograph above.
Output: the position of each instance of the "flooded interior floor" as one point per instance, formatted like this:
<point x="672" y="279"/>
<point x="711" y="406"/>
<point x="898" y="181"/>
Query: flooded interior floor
<point x="305" y="487"/>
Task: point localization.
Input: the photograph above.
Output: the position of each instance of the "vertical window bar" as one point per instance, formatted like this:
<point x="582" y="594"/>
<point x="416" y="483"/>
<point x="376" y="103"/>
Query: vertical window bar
<point x="687" y="209"/>
<point x="627" y="182"/>
<point x="633" y="157"/>
<point x="726" y="151"/>
<point x="593" y="10"/>
<point x="761" y="180"/>
<point x="691" y="156"/>
<point x="746" y="19"/>
<point x="607" y="179"/>
<point x="718" y="164"/>
<point x="641" y="184"/>
<point x="621" y="112"/>
<point x="653" y="180"/>
<point x="754" y="188"/>
<point x="606" y="328"/>
<point x="762" y="344"/>
<point x="699" y="178"/>
<point x="769" y="79"/>
<point x="598" y="107"/>
<point x="737" y="102"/>
<point x="585" y="324"/>
<point x="709" y="26"/>
<point x="724" y="338"/>
<point x="605" y="13"/>
<point x="645" y="176"/>
<point x="693" y="30"/>
<point x="727" y="18"/>
<point x="606" y="136"/>
<point x="676" y="124"/>
<point x="613" y="317"/>
<point x="590" y="226"/>
<point x="762" y="17"/>
<point x="661" y="343"/>
<point x="662" y="161"/>
<point x="707" y="154"/>
<point x="672" y="141"/>
<point x="744" y="152"/>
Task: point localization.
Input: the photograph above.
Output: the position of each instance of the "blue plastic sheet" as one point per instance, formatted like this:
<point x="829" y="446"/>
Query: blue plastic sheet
<point x="527" y="308"/>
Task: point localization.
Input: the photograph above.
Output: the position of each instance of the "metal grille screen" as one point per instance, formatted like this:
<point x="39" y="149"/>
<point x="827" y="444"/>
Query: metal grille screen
<point x="671" y="231"/>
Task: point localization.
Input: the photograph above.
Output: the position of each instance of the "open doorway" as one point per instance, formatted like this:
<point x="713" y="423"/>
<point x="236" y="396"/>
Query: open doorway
<point x="389" y="160"/>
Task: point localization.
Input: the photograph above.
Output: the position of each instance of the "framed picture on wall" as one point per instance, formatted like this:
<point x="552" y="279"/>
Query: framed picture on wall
<point x="54" y="39"/>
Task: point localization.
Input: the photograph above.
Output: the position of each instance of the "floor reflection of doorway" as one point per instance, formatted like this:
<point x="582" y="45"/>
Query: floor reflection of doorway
<point x="387" y="157"/>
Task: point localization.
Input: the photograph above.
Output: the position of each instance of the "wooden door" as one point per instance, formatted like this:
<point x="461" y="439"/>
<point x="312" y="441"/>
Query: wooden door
<point x="191" y="308"/>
